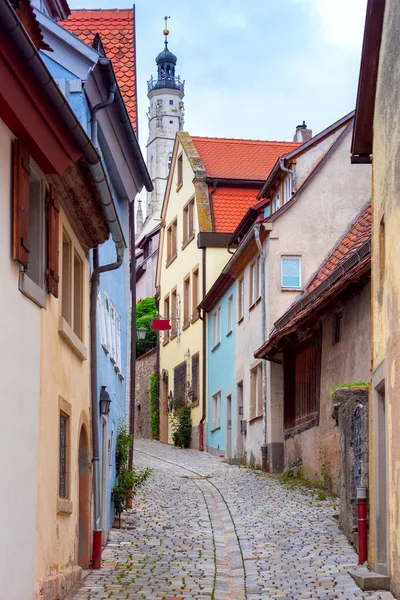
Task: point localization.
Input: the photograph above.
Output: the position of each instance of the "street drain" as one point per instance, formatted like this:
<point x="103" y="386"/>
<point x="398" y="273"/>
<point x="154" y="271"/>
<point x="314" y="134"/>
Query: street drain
<point x="196" y="476"/>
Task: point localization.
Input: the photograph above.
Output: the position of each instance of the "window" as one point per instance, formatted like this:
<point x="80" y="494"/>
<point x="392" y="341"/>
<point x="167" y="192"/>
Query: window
<point x="240" y="299"/>
<point x="167" y="316"/>
<point x="287" y="189"/>
<point x="174" y="322"/>
<point x="110" y="331"/>
<point x="72" y="287"/>
<point x="180" y="384"/>
<point x="291" y="272"/>
<point x="188" y="229"/>
<point x="230" y="315"/>
<point x="216" y="411"/>
<point x="256" y="392"/>
<point x="102" y="322"/>
<point x="171" y="102"/>
<point x="111" y="447"/>
<point x="337" y="328"/>
<point x="302" y="372"/>
<point x="195" y="294"/>
<point x="179" y="181"/>
<point x="267" y="211"/>
<point x="35" y="228"/>
<point x="186" y="302"/>
<point x="254" y="281"/>
<point x="118" y="364"/>
<point x="169" y="162"/>
<point x="195" y="379"/>
<point x="276" y="202"/>
<point x="171" y="241"/>
<point x="63" y="457"/>
<point x="216" y="327"/>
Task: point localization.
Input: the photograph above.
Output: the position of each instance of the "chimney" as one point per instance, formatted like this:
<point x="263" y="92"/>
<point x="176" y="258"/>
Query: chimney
<point x="302" y="134"/>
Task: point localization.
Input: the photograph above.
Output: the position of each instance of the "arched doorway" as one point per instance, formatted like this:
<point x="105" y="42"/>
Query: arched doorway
<point x="84" y="504"/>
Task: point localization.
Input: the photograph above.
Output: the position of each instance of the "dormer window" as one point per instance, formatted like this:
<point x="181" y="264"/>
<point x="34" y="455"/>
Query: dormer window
<point x="276" y="202"/>
<point x="287" y="189"/>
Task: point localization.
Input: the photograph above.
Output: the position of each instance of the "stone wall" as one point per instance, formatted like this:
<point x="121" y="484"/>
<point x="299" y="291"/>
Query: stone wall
<point x="145" y="366"/>
<point x="345" y="403"/>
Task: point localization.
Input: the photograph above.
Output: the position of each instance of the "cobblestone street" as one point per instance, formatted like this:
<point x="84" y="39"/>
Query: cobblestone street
<point x="204" y="529"/>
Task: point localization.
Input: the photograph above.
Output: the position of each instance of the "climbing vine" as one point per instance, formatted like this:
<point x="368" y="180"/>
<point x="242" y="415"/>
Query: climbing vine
<point x="154" y="407"/>
<point x="128" y="480"/>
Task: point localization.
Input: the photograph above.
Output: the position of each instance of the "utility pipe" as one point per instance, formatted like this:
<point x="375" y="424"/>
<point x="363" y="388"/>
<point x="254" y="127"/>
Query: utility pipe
<point x="117" y="235"/>
<point x="293" y="174"/>
<point x="96" y="109"/>
<point x="204" y="357"/>
<point x="264" y="461"/>
<point x="132" y="407"/>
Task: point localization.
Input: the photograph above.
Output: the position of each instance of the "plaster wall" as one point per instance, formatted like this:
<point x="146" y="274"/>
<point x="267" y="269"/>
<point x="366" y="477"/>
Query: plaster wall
<point x="307" y="161"/>
<point x="20" y="391"/>
<point x="343" y="363"/>
<point x="386" y="277"/>
<point x="221" y="377"/>
<point x="146" y="286"/>
<point x="64" y="380"/>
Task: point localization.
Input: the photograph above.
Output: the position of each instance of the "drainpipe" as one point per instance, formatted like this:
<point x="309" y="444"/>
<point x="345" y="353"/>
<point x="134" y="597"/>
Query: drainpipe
<point x="293" y="174"/>
<point x="204" y="357"/>
<point x="118" y="238"/>
<point x="264" y="461"/>
<point x="96" y="109"/>
<point x="132" y="407"/>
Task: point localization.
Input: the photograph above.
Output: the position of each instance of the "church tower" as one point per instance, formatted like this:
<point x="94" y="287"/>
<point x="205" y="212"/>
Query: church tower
<point x="166" y="117"/>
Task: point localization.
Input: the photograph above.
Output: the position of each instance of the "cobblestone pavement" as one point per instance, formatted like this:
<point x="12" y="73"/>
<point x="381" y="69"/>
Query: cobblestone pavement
<point x="204" y="529"/>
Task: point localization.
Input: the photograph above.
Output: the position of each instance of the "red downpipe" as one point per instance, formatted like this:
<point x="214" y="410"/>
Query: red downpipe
<point x="362" y="525"/>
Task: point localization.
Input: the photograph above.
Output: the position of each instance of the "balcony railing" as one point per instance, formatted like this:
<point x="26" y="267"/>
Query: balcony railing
<point x="175" y="83"/>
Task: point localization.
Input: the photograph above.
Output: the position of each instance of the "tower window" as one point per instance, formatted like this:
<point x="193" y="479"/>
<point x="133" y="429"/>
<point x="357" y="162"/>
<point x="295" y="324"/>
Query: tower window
<point x="169" y="162"/>
<point x="171" y="122"/>
<point x="171" y="102"/>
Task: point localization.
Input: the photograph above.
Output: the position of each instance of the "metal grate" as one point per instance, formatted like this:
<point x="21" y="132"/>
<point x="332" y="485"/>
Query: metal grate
<point x="62" y="488"/>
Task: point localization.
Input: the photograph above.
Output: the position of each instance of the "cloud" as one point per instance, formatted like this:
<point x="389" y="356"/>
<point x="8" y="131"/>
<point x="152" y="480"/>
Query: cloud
<point x="340" y="23"/>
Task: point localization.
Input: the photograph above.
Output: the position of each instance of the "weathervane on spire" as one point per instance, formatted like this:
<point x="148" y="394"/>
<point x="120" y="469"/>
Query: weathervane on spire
<point x="166" y="30"/>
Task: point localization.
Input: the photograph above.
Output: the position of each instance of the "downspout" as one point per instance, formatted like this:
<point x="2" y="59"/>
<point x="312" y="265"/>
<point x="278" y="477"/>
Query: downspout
<point x="204" y="357"/>
<point x="117" y="235"/>
<point x="293" y="174"/>
<point x="96" y="109"/>
<point x="132" y="407"/>
<point x="264" y="460"/>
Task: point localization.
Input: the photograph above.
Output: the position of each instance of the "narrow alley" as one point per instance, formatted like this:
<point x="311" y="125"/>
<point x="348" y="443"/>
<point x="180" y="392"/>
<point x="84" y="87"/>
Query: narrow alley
<point x="201" y="528"/>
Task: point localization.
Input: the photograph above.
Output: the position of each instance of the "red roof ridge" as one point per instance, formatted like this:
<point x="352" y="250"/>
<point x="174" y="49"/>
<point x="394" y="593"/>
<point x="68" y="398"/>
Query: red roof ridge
<point x="101" y="10"/>
<point x="248" y="140"/>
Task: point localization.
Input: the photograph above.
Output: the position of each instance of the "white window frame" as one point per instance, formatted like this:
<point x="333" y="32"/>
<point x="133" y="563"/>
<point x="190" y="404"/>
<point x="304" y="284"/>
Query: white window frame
<point x="291" y="257"/>
<point x="276" y="202"/>
<point x="287" y="189"/>
<point x="216" y="411"/>
<point x="102" y="322"/>
<point x="229" y="327"/>
<point x="254" y="281"/>
<point x="216" y="327"/>
<point x="240" y="298"/>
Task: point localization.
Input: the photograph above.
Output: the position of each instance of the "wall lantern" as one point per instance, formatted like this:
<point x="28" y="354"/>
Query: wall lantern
<point x="105" y="401"/>
<point x="141" y="333"/>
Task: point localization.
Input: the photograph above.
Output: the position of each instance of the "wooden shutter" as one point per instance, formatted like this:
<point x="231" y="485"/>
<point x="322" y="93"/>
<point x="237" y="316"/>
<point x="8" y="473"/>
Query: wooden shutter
<point x="53" y="240"/>
<point x="21" y="172"/>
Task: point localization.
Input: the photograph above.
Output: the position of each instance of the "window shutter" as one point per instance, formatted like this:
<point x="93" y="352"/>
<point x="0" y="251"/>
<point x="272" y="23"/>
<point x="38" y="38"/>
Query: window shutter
<point x="21" y="172"/>
<point x="53" y="241"/>
<point x="102" y="321"/>
<point x="118" y="326"/>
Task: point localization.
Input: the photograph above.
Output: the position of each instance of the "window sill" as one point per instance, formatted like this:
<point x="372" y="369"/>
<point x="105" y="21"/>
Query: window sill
<point x="187" y="240"/>
<point x="229" y="333"/>
<point x="122" y="377"/>
<point x="171" y="259"/>
<point x="32" y="290"/>
<point x="64" y="506"/>
<point x="106" y="350"/>
<point x="195" y="317"/>
<point x="255" y="303"/>
<point x="194" y="403"/>
<point x="215" y="347"/>
<point x="291" y="289"/>
<point x="173" y="335"/>
<point x="292" y="431"/>
<point x="72" y="339"/>
<point x="254" y="419"/>
<point x="240" y="320"/>
<point x="179" y="185"/>
<point x="215" y="429"/>
<point x="186" y="324"/>
<point x="165" y="341"/>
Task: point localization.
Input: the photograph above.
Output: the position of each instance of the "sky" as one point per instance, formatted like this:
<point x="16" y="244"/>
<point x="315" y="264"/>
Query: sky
<point x="252" y="68"/>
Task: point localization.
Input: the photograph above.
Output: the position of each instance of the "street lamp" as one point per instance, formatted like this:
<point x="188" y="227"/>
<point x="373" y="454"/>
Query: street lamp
<point x="105" y="401"/>
<point x="141" y="333"/>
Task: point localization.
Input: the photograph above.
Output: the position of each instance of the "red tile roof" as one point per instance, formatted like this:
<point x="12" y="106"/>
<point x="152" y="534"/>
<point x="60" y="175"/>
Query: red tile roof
<point x="320" y="291"/>
<point x="240" y="159"/>
<point x="230" y="204"/>
<point x="116" y="29"/>
<point x="359" y="232"/>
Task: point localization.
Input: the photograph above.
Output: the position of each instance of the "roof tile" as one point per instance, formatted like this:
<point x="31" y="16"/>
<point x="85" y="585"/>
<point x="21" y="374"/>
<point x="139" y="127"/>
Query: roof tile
<point x="116" y="30"/>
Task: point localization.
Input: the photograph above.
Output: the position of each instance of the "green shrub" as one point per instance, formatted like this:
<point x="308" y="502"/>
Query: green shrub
<point x="182" y="427"/>
<point x="146" y="311"/>
<point x="154" y="407"/>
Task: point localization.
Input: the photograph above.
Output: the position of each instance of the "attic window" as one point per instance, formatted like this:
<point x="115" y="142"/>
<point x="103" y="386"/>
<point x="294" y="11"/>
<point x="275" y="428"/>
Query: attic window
<point x="337" y="328"/>
<point x="179" y="172"/>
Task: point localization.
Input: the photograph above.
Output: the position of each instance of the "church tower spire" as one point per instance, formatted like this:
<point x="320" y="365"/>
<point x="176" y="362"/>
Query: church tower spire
<point x="166" y="117"/>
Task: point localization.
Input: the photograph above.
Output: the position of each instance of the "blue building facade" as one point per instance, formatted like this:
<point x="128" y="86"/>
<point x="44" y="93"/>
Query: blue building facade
<point x="221" y="375"/>
<point x="113" y="300"/>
